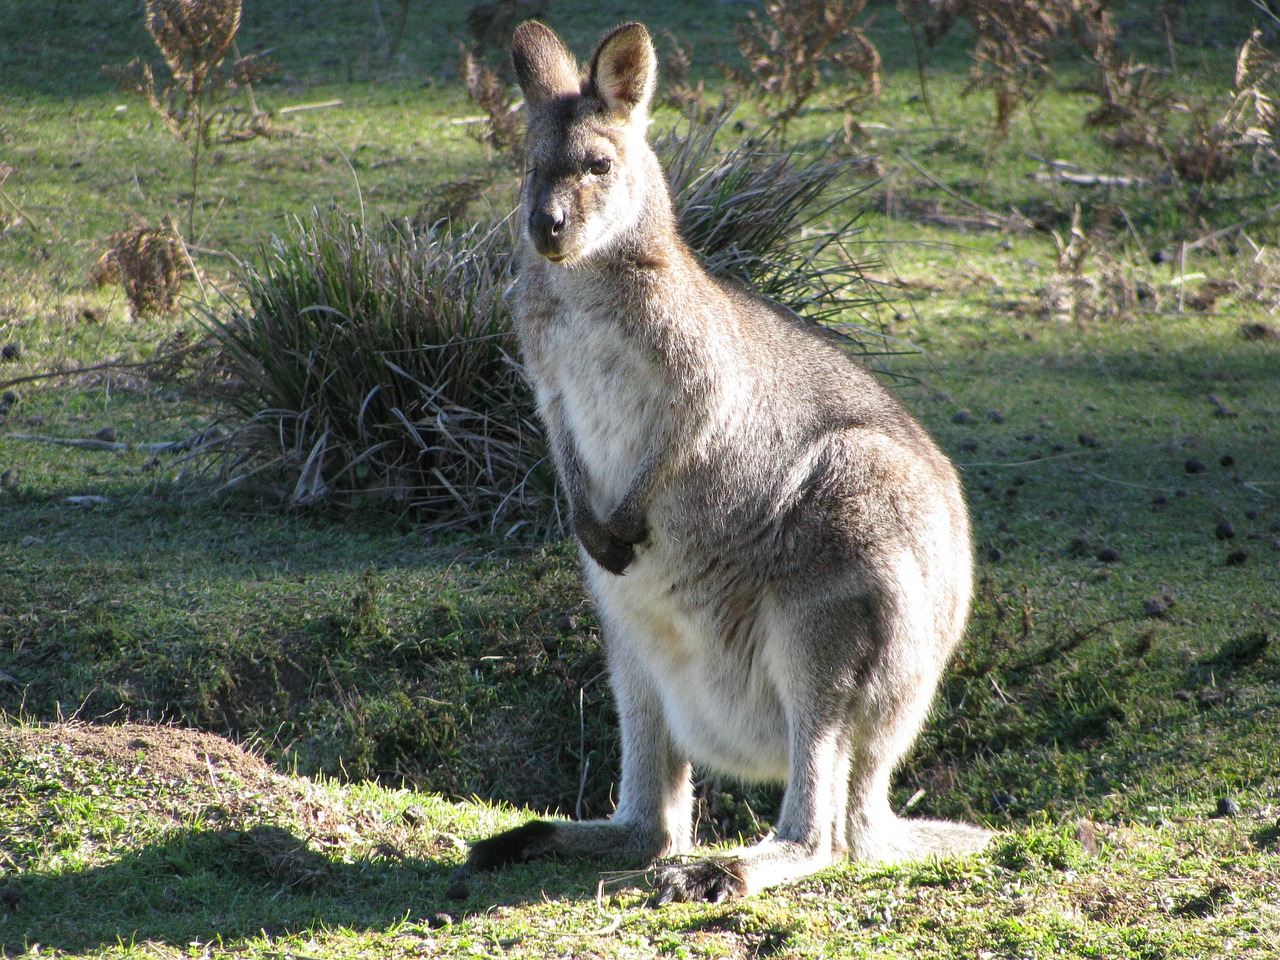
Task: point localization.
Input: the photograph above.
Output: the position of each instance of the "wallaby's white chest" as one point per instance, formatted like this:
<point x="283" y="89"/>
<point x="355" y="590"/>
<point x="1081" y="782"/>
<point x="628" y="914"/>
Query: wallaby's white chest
<point x="611" y="394"/>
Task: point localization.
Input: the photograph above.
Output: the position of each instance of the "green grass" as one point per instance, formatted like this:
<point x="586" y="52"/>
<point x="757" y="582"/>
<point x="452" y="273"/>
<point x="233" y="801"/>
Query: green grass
<point x="1121" y="667"/>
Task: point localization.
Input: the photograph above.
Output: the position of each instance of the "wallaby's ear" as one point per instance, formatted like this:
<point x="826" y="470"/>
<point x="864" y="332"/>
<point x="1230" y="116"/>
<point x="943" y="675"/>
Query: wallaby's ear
<point x="624" y="71"/>
<point x="544" y="66"/>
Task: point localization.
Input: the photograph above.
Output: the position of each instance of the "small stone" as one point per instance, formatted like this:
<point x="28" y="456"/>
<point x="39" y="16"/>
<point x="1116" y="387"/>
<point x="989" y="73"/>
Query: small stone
<point x="438" y="920"/>
<point x="1228" y="807"/>
<point x="995" y="416"/>
<point x="962" y="417"/>
<point x="107" y="434"/>
<point x="1237" y="558"/>
<point x="995" y="554"/>
<point x="565" y="623"/>
<point x="1194" y="466"/>
<point x="1087" y="837"/>
<point x="1157" y="606"/>
<point x="1226" y="460"/>
<point x="1224" y="530"/>
<point x="1088" y="440"/>
<point x="10" y="351"/>
<point x="10" y="397"/>
<point x="1108" y="555"/>
<point x="413" y="815"/>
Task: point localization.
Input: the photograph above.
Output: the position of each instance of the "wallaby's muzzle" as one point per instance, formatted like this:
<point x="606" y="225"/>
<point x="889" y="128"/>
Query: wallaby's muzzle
<point x="548" y="226"/>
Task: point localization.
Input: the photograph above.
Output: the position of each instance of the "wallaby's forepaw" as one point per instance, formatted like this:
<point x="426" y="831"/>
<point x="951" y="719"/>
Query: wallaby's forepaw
<point x="713" y="879"/>
<point x="627" y="524"/>
<point x="603" y="547"/>
<point x="533" y="839"/>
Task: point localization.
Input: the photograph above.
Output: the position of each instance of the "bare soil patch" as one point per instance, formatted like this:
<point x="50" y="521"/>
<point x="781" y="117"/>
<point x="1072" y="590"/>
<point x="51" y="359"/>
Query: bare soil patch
<point x="163" y="753"/>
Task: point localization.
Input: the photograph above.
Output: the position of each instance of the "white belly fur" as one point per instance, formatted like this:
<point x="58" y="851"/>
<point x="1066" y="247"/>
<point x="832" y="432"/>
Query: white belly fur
<point x="721" y="706"/>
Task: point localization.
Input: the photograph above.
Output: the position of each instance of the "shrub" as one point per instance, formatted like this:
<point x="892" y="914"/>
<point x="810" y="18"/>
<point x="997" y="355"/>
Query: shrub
<point x="381" y="360"/>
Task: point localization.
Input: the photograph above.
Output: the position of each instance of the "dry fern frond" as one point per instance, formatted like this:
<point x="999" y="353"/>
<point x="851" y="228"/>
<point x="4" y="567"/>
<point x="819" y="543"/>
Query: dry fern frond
<point x="149" y="263"/>
<point x="678" y="90"/>
<point x="503" y="123"/>
<point x="193" y="35"/>
<point x="787" y="50"/>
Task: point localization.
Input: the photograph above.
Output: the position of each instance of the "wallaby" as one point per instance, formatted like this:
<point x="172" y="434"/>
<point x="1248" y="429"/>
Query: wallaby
<point x="779" y="553"/>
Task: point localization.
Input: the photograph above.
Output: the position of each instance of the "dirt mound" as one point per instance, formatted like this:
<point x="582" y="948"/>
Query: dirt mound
<point x="163" y="753"/>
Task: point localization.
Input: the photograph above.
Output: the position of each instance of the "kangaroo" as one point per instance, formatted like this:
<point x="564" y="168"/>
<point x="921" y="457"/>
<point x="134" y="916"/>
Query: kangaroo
<point x="779" y="554"/>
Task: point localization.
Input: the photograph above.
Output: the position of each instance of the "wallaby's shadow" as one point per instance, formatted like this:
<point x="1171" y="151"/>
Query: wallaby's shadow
<point x="229" y="885"/>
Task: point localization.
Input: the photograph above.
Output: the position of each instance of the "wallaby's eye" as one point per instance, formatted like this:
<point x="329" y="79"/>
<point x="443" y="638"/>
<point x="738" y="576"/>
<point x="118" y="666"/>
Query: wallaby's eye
<point x="600" y="166"/>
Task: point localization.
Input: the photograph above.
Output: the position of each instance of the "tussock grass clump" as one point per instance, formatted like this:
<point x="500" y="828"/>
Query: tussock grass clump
<point x="768" y="214"/>
<point x="382" y="359"/>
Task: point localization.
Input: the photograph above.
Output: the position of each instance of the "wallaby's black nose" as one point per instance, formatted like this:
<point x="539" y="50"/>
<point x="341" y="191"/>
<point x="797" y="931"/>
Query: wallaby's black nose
<point x="546" y="227"/>
<point x="548" y="222"/>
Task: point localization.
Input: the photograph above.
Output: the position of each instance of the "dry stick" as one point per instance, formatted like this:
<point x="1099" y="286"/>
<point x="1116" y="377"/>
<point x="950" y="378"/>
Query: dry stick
<point x="22" y="213"/>
<point x="113" y="446"/>
<point x="113" y="365"/>
<point x="1248" y="221"/>
<point x="309" y="106"/>
<point x="1025" y="223"/>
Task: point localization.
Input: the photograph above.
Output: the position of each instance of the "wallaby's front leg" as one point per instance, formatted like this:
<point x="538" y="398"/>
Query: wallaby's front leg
<point x="612" y="542"/>
<point x="655" y="806"/>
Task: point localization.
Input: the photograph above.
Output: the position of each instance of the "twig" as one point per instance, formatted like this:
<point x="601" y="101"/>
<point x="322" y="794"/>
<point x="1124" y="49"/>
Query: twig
<point x="298" y="108"/>
<point x="1070" y="172"/>
<point x="22" y="213"/>
<point x="114" y="446"/>
<point x="113" y="365"/>
<point x="1020" y="221"/>
<point x="1247" y="221"/>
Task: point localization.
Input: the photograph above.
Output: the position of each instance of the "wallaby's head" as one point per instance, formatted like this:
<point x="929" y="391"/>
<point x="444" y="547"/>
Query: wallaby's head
<point x="589" y="172"/>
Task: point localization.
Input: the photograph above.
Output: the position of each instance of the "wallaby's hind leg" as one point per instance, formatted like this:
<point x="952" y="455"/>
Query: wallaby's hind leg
<point x="809" y="834"/>
<point x="816" y="654"/>
<point x="882" y="727"/>
<point x="654" y="817"/>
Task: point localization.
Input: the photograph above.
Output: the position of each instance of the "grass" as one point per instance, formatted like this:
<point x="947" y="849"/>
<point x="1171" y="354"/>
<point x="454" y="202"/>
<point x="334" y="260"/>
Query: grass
<point x="1112" y="712"/>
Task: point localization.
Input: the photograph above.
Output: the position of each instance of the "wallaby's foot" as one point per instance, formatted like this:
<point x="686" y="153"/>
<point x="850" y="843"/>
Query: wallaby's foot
<point x="902" y="840"/>
<point x="741" y="873"/>
<point x="711" y="879"/>
<point x="527" y="842"/>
